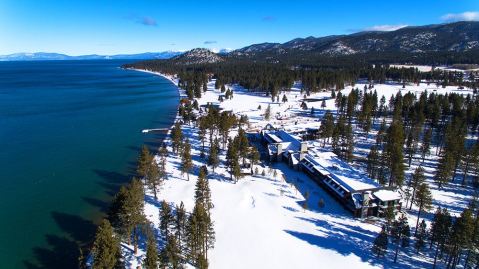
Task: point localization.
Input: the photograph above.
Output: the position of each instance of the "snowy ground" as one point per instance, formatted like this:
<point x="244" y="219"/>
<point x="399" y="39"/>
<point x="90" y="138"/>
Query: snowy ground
<point x="260" y="221"/>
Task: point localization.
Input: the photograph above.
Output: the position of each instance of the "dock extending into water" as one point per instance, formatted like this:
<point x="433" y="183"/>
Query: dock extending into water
<point x="155" y="130"/>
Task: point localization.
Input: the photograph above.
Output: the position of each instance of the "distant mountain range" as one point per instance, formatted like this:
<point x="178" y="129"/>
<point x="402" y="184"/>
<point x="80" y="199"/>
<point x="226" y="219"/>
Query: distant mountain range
<point x="457" y="41"/>
<point x="44" y="56"/>
<point x="452" y="37"/>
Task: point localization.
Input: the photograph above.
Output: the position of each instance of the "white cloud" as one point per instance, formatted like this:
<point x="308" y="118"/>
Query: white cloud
<point x="386" y="27"/>
<point x="465" y="16"/>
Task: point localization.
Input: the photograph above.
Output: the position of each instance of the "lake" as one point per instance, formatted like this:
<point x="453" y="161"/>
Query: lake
<point x="70" y="132"/>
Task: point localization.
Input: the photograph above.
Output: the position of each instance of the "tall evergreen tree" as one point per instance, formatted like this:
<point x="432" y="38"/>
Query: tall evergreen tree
<point x="444" y="169"/>
<point x="327" y="127"/>
<point x="144" y="162"/>
<point x="170" y="255"/>
<point x="373" y="162"/>
<point x="417" y="180"/>
<point x="176" y="137"/>
<point x="394" y="150"/>
<point x="440" y="231"/>
<point x="421" y="236"/>
<point x="400" y="233"/>
<point x="106" y="247"/>
<point x="423" y="201"/>
<point x="186" y="162"/>
<point x="426" y="143"/>
<point x="254" y="156"/>
<point x="213" y="157"/>
<point x="180" y="228"/>
<point x="130" y="211"/>
<point x="154" y="177"/>
<point x="380" y="244"/>
<point x="151" y="258"/>
<point x="166" y="219"/>
<point x="202" y="190"/>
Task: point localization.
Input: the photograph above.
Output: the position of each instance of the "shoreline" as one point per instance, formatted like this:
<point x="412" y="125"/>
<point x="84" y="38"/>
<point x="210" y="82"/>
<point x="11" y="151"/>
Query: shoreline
<point x="175" y="83"/>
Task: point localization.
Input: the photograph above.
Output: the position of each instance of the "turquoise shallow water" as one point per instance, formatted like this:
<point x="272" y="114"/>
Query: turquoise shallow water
<point x="69" y="135"/>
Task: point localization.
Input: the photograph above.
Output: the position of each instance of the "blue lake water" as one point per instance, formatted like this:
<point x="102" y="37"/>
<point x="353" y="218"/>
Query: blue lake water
<point x="70" y="132"/>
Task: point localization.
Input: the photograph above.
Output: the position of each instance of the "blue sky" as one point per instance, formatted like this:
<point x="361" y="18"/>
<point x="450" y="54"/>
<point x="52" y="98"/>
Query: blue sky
<point x="110" y="27"/>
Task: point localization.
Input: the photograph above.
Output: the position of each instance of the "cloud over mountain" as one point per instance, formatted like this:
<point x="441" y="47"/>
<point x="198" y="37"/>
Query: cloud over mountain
<point x="385" y="27"/>
<point x="465" y="16"/>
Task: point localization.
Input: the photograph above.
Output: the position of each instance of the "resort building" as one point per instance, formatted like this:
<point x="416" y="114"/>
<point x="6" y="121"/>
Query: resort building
<point x="353" y="188"/>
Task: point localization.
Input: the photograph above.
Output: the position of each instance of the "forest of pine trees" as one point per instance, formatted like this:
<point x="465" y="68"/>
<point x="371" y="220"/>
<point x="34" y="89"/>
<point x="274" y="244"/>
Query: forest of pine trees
<point x="185" y="237"/>
<point x="409" y="129"/>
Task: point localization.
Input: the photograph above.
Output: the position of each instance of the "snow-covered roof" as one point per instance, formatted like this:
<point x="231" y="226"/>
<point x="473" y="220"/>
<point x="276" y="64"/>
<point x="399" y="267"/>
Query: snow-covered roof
<point x="273" y="138"/>
<point x="328" y="164"/>
<point x="387" y="195"/>
<point x="294" y="142"/>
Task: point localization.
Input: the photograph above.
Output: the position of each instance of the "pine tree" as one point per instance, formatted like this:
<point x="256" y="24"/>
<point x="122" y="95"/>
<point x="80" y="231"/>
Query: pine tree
<point x="460" y="237"/>
<point x="254" y="156"/>
<point x="201" y="262"/>
<point x="200" y="233"/>
<point x="444" y="169"/>
<point x="213" y="158"/>
<point x="389" y="215"/>
<point x="180" y="228"/>
<point x="202" y="190"/>
<point x="373" y="162"/>
<point x="418" y="179"/>
<point x="327" y="127"/>
<point x="394" y="151"/>
<point x="232" y="157"/>
<point x="166" y="219"/>
<point x="226" y="121"/>
<point x="440" y="230"/>
<point x="426" y="143"/>
<point x="400" y="233"/>
<point x="349" y="143"/>
<point x="410" y="147"/>
<point x="243" y="144"/>
<point x="186" y="162"/>
<point x="154" y="177"/>
<point x="423" y="201"/>
<point x="380" y="244"/>
<point x="421" y="236"/>
<point x="144" y="162"/>
<point x="151" y="258"/>
<point x="106" y="247"/>
<point x="267" y="113"/>
<point x="130" y="211"/>
<point x="176" y="137"/>
<point x="170" y="255"/>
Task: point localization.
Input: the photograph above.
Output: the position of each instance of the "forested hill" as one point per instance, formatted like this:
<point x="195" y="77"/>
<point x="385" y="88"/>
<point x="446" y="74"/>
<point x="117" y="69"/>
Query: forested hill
<point x="454" y="38"/>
